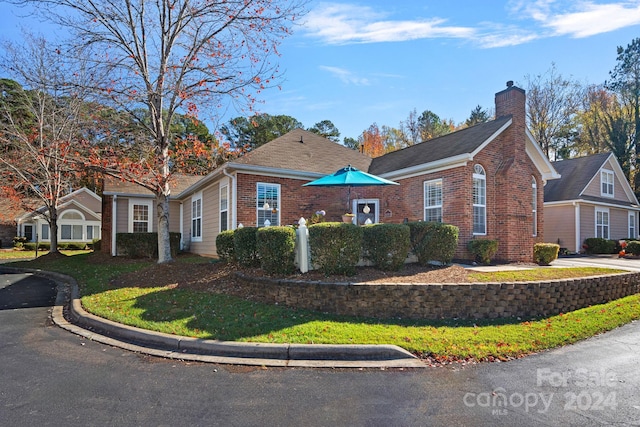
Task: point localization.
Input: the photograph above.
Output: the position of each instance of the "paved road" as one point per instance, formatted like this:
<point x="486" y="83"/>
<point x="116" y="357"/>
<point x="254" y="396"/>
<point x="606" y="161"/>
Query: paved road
<point x="51" y="377"/>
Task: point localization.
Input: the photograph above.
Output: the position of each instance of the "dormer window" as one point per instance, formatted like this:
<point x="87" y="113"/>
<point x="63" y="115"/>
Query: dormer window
<point x="606" y="183"/>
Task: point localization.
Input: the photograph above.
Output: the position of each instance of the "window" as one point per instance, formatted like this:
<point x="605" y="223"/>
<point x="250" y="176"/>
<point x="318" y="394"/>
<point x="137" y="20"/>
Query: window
<point x="534" y="202"/>
<point x="93" y="232"/>
<point x="632" y="225"/>
<point x="433" y="200"/>
<point x="71" y="232"/>
<point x="196" y="217"/>
<point x="602" y="223"/>
<point x="479" y="200"/>
<point x="71" y="215"/>
<point x="268" y="204"/>
<point x="45" y="232"/>
<point x="606" y="183"/>
<point x="28" y="232"/>
<point x="224" y="208"/>
<point x="140" y="218"/>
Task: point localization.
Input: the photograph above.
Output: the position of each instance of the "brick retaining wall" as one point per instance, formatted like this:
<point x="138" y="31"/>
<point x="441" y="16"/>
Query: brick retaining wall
<point x="437" y="301"/>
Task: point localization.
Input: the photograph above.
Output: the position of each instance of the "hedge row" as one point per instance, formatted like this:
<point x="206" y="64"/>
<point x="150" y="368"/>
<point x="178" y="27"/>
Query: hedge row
<point x="144" y="245"/>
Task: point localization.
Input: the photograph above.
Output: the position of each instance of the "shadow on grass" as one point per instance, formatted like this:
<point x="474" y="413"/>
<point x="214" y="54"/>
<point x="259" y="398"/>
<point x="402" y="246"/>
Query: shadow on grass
<point x="226" y="317"/>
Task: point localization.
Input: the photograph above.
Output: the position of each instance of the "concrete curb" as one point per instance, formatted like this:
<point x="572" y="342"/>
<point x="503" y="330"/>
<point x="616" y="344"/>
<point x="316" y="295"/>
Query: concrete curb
<point x="225" y="352"/>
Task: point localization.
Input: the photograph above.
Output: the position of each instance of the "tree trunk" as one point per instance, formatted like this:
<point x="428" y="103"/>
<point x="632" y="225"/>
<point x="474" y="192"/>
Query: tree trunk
<point x="53" y="230"/>
<point x="164" y="240"/>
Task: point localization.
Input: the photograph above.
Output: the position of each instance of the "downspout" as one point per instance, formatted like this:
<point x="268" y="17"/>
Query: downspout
<point x="234" y="193"/>
<point x="113" y="224"/>
<point x="181" y="226"/>
<point x="577" y="225"/>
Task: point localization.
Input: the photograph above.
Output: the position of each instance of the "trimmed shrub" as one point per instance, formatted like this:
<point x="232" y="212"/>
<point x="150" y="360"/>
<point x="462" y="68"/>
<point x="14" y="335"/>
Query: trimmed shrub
<point x="144" y="245"/>
<point x="275" y="248"/>
<point x="31" y="246"/>
<point x="244" y="243"/>
<point x="72" y="246"/>
<point x="483" y="249"/>
<point x="598" y="245"/>
<point x="335" y="247"/>
<point x="633" y="247"/>
<point x="545" y="253"/>
<point x="386" y="245"/>
<point x="95" y="245"/>
<point x="225" y="246"/>
<point x="433" y="241"/>
<point x="18" y="242"/>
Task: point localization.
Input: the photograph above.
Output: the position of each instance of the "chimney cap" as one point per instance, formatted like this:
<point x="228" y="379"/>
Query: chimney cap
<point x="509" y="83"/>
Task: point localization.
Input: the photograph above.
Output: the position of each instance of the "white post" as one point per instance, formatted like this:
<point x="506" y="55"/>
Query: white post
<point x="302" y="245"/>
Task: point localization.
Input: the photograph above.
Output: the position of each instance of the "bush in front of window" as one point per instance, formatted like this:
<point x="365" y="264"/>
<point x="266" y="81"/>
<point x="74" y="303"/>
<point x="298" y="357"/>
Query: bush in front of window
<point x="483" y="249"/>
<point x="225" y="246"/>
<point x="144" y="245"/>
<point x="18" y="242"/>
<point x="433" y="241"/>
<point x="72" y="246"/>
<point x="386" y="245"/>
<point x="244" y="242"/>
<point x="598" y="245"/>
<point x="335" y="247"/>
<point x="275" y="248"/>
<point x="31" y="246"/>
<point x="633" y="247"/>
<point x="545" y="253"/>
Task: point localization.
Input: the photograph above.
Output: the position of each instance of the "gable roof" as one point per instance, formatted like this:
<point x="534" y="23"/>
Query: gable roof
<point x="576" y="175"/>
<point x="460" y="143"/>
<point x="124" y="188"/>
<point x="304" y="151"/>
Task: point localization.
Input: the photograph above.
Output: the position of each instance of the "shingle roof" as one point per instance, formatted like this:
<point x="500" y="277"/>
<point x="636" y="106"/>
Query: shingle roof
<point x="178" y="184"/>
<point x="305" y="151"/>
<point x="575" y="175"/>
<point x="450" y="145"/>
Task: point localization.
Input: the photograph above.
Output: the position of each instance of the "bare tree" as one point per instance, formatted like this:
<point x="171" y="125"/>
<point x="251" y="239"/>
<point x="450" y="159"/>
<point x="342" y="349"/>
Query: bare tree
<point x="40" y="127"/>
<point x="552" y="105"/>
<point x="171" y="56"/>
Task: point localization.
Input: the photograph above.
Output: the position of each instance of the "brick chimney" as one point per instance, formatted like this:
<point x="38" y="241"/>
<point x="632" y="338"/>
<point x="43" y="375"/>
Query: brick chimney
<point x="511" y="101"/>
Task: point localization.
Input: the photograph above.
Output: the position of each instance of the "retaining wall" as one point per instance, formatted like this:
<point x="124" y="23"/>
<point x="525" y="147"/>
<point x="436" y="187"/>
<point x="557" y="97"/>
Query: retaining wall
<point x="437" y="301"/>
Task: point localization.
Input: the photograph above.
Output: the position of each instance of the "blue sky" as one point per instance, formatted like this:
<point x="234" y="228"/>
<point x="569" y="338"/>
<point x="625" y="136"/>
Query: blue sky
<point x="356" y="63"/>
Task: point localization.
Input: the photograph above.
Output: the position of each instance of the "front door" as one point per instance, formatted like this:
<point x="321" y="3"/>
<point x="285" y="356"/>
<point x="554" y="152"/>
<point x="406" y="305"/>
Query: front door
<point x="366" y="209"/>
<point x="28" y="232"/>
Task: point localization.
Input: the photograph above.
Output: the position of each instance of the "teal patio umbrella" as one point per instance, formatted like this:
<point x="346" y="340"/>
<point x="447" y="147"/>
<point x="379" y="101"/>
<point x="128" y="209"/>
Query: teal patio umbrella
<point x="349" y="177"/>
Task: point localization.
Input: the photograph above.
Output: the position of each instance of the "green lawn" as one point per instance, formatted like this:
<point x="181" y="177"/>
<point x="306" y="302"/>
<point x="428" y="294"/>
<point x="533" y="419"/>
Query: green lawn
<point x="11" y="254"/>
<point x="223" y="317"/>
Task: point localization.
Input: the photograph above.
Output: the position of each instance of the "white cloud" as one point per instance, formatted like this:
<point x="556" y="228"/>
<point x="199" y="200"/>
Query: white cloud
<point x="594" y="19"/>
<point x="346" y="76"/>
<point x="343" y="24"/>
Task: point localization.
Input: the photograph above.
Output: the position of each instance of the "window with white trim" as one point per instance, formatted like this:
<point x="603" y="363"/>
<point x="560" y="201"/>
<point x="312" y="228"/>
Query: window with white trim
<point x="71" y="232"/>
<point x="632" y="225"/>
<point x="196" y="217"/>
<point x="606" y="183"/>
<point x="534" y="202"/>
<point x="602" y="223"/>
<point x="224" y="208"/>
<point x="140" y="214"/>
<point x="433" y="200"/>
<point x="479" y="200"/>
<point x="268" y="204"/>
<point x="45" y="232"/>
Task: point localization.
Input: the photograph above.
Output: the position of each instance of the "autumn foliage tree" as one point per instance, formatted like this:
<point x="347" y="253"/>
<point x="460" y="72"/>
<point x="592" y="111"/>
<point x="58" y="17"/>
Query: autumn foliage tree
<point x="40" y="128"/>
<point x="166" y="57"/>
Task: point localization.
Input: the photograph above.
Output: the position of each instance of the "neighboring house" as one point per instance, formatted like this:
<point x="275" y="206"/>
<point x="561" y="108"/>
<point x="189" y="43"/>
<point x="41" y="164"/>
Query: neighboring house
<point x="10" y="211"/>
<point x="592" y="199"/>
<point x="79" y="219"/>
<point x="487" y="179"/>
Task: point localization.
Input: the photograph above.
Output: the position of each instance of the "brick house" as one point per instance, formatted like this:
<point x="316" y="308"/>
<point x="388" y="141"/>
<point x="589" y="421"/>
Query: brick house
<point x="592" y="199"/>
<point x="486" y="179"/>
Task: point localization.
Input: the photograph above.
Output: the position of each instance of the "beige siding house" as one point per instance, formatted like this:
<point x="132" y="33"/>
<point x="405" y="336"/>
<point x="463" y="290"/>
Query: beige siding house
<point x="592" y="199"/>
<point x="79" y="219"/>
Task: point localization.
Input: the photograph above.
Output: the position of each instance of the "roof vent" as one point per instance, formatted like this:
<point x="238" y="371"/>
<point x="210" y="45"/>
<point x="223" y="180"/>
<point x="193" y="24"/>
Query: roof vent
<point x="510" y="83"/>
<point x="301" y="141"/>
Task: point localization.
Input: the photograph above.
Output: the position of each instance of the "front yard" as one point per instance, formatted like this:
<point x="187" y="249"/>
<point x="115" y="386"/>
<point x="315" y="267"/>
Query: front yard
<point x="199" y="298"/>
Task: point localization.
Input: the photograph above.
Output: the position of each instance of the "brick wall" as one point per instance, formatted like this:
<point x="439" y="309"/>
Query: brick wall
<point x="445" y="301"/>
<point x="107" y="221"/>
